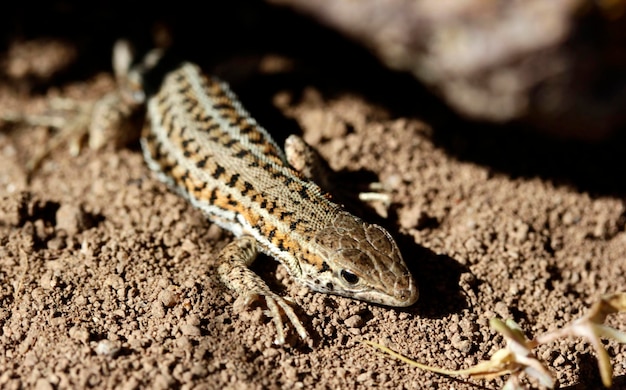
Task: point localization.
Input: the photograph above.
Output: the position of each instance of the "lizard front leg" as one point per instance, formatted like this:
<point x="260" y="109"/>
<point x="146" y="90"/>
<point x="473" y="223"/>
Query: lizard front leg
<point x="306" y="160"/>
<point x="233" y="270"/>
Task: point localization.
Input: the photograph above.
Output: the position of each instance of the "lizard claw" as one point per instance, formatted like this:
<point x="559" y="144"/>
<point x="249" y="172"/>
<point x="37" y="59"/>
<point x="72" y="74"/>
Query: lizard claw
<point x="276" y="308"/>
<point x="273" y="304"/>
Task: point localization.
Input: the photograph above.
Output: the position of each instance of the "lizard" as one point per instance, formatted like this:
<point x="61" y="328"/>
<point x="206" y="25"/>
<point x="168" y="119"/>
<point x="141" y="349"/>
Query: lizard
<point x="199" y="140"/>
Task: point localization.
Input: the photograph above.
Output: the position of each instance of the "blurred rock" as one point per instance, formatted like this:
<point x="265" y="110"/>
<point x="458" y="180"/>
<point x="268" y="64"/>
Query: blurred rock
<point x="557" y="65"/>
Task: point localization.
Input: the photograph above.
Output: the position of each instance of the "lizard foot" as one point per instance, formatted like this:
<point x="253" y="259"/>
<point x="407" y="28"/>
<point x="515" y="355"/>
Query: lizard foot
<point x="235" y="274"/>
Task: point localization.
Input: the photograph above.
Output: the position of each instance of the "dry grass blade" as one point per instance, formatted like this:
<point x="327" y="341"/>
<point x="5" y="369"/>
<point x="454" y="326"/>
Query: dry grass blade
<point x="517" y="357"/>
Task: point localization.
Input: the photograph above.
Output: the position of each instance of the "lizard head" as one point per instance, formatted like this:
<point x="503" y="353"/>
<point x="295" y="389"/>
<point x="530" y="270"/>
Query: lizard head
<point x="362" y="261"/>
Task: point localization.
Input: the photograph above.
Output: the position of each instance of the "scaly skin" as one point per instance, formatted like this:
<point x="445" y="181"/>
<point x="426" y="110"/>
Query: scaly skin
<point x="202" y="143"/>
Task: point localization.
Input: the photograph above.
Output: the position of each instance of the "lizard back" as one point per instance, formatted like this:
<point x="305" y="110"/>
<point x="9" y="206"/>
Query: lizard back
<point x="207" y="147"/>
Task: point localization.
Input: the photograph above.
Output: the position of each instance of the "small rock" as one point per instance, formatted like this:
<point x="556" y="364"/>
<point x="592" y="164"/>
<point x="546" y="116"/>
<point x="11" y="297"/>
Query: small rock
<point x="14" y="209"/>
<point x="169" y="297"/>
<point x="190" y="330"/>
<point x="355" y="321"/>
<point x="73" y="219"/>
<point x="43" y="384"/>
<point x="108" y="348"/>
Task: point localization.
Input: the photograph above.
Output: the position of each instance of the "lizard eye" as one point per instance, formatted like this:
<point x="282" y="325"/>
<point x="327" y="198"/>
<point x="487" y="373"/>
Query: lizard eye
<point x="349" y="277"/>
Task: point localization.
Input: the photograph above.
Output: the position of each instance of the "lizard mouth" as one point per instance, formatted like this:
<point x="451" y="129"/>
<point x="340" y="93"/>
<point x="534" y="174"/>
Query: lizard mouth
<point x="396" y="298"/>
<point x="399" y="298"/>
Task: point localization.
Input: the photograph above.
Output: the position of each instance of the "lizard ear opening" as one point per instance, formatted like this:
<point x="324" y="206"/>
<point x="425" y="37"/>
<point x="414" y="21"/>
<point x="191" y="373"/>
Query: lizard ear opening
<point x="349" y="277"/>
